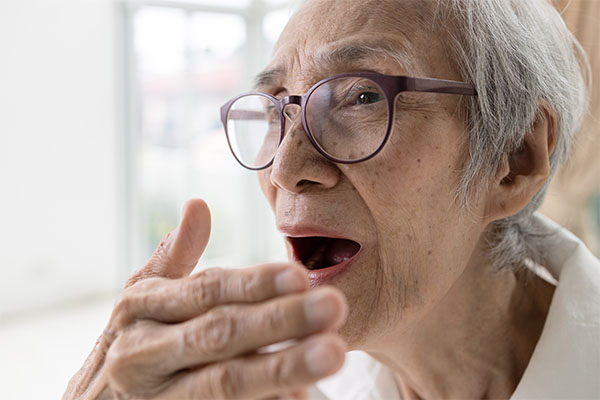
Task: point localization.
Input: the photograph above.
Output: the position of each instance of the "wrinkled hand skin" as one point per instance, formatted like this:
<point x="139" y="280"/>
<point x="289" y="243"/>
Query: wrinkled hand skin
<point x="173" y="335"/>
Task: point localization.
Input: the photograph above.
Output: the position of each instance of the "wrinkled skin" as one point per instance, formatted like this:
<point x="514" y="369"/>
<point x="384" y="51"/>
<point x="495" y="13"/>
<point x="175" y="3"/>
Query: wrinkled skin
<point x="421" y="297"/>
<point x="421" y="294"/>
<point x="177" y="336"/>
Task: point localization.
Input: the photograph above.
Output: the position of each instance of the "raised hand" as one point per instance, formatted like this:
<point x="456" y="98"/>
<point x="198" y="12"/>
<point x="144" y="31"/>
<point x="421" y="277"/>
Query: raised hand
<point x="176" y="336"/>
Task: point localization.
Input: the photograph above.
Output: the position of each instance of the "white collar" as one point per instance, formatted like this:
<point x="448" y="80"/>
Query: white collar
<point x="361" y="377"/>
<point x="566" y="359"/>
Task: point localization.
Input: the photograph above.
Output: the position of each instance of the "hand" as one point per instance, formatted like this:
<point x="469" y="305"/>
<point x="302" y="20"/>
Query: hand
<point x="172" y="335"/>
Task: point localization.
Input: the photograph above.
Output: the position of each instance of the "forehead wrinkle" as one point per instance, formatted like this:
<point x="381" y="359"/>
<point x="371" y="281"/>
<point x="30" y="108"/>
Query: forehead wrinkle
<point x="344" y="58"/>
<point x="283" y="63"/>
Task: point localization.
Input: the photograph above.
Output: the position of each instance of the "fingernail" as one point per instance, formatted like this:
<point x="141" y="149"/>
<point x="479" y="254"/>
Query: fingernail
<point x="320" y="359"/>
<point x="319" y="308"/>
<point x="288" y="281"/>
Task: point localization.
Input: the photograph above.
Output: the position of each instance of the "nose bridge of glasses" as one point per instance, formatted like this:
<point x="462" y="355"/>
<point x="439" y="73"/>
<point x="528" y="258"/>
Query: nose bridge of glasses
<point x="294" y="99"/>
<point x="291" y="112"/>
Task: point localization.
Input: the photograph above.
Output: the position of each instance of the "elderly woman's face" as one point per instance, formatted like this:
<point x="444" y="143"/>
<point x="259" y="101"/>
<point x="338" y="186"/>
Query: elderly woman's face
<point x="400" y="205"/>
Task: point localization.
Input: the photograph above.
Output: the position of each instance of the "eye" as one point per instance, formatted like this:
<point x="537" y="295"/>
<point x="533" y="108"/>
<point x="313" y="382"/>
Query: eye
<point x="368" y="98"/>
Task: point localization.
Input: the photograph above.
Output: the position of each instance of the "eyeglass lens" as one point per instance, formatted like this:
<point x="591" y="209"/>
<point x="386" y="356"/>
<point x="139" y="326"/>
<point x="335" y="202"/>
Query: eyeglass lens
<point x="347" y="118"/>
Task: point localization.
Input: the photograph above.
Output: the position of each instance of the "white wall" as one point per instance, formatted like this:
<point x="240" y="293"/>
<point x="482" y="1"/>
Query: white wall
<point x="59" y="112"/>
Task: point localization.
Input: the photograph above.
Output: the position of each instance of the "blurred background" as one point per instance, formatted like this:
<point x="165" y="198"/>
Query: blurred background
<point x="109" y="121"/>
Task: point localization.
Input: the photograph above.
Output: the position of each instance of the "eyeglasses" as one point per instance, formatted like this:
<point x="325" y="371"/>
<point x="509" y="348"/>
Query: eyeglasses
<point x="347" y="118"/>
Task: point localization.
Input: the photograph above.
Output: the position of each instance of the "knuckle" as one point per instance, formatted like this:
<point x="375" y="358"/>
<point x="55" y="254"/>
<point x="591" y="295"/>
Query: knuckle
<point x="122" y="310"/>
<point x="278" y="370"/>
<point x="134" y="302"/>
<point x="273" y="317"/>
<point x="112" y="361"/>
<point x="217" y="332"/>
<point x="250" y="285"/>
<point x="117" y="365"/>
<point x="124" y="361"/>
<point x="226" y="381"/>
<point x="122" y="303"/>
<point x="205" y="288"/>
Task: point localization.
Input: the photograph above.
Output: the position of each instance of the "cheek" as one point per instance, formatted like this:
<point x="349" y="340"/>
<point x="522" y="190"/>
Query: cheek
<point x="409" y="190"/>
<point x="417" y="170"/>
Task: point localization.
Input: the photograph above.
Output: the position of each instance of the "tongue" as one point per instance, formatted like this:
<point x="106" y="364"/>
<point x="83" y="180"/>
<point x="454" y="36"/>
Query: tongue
<point x="340" y="251"/>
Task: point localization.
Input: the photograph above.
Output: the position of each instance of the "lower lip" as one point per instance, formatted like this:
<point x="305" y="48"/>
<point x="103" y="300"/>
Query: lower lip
<point x="324" y="276"/>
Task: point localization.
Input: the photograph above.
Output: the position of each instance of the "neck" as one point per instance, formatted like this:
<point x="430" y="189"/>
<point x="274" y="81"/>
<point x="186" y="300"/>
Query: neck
<point x="475" y="342"/>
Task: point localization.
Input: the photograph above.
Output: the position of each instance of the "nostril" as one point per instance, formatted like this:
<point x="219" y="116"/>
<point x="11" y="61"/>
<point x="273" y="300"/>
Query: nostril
<point x="306" y="182"/>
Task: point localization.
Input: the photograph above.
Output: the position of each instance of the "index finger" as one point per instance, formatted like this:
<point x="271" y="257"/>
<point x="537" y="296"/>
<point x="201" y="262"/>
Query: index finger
<point x="178" y="300"/>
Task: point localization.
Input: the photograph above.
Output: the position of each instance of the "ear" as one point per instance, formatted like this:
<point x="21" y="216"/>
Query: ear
<point x="522" y="174"/>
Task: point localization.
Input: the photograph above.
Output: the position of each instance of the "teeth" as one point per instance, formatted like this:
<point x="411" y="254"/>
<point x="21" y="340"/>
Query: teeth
<point x="340" y="251"/>
<point x="317" y="257"/>
<point x="338" y="258"/>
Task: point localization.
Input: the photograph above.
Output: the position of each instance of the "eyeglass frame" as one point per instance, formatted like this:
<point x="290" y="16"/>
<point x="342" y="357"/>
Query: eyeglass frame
<point x="392" y="85"/>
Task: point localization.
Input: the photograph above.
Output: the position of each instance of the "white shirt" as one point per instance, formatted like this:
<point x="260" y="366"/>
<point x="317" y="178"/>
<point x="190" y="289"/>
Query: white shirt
<point x="566" y="360"/>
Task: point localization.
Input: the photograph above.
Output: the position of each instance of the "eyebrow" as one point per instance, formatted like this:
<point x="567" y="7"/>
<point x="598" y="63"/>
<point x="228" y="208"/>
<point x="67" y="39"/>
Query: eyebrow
<point x="346" y="55"/>
<point x="269" y="77"/>
<point x="364" y="50"/>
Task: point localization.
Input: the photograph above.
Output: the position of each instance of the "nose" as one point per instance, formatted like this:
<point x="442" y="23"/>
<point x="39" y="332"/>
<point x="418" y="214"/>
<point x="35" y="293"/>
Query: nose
<point x="298" y="166"/>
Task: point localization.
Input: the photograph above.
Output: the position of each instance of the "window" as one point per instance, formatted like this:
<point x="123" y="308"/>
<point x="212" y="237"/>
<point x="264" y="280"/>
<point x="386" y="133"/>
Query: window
<point x="185" y="60"/>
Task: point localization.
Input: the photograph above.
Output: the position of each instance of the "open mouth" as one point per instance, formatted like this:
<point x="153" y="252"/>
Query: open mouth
<point x="318" y="252"/>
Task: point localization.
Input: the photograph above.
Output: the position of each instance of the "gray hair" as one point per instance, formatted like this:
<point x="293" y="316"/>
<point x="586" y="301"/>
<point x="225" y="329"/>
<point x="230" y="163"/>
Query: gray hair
<point x="519" y="55"/>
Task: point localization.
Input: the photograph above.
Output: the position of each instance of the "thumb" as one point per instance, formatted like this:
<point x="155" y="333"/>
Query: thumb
<point x="179" y="251"/>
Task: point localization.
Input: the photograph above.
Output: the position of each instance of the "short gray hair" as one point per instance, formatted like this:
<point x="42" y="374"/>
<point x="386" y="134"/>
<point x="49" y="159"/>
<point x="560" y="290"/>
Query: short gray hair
<point x="519" y="54"/>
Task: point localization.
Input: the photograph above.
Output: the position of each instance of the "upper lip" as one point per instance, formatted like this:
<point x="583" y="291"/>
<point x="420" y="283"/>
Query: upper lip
<point x="307" y="230"/>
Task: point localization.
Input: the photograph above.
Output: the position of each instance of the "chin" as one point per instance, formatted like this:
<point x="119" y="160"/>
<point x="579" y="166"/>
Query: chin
<point x="360" y="286"/>
<point x="355" y="270"/>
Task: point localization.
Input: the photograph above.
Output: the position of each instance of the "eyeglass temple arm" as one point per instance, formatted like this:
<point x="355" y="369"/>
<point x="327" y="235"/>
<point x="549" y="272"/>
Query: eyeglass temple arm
<point x="439" y="86"/>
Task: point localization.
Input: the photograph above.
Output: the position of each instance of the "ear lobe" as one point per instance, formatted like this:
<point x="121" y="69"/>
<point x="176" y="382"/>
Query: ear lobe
<point x="522" y="174"/>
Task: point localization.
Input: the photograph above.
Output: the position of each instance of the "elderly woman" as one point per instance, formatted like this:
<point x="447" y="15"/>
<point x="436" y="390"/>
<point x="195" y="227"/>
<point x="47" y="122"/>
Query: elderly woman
<point x="403" y="146"/>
